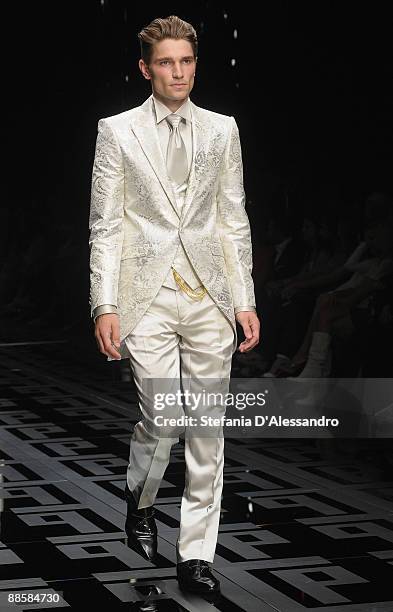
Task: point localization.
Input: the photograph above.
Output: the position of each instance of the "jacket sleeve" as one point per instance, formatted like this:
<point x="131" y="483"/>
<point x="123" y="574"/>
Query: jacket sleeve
<point x="106" y="218"/>
<point x="233" y="224"/>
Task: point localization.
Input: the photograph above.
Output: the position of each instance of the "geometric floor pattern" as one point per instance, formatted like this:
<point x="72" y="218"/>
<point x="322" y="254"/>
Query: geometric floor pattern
<point x="306" y="525"/>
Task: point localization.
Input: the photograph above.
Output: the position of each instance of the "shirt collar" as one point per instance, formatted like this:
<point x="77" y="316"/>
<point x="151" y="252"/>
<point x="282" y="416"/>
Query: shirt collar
<point x="163" y="111"/>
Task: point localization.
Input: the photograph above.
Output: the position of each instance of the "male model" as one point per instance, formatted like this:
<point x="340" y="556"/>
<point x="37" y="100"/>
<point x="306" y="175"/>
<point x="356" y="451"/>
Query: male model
<point x="171" y="263"/>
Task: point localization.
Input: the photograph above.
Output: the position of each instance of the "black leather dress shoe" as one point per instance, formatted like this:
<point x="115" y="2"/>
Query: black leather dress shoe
<point x="141" y="528"/>
<point x="195" y="576"/>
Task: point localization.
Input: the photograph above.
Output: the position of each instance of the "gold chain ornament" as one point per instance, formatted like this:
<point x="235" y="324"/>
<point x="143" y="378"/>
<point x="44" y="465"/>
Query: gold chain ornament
<point x="193" y="293"/>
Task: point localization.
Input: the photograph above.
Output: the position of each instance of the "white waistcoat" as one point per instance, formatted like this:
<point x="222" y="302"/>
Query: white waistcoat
<point x="181" y="263"/>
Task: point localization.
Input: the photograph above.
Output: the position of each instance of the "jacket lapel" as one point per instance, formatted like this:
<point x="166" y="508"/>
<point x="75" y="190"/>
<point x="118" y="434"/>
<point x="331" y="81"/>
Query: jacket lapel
<point x="200" y="145"/>
<point x="144" y="127"/>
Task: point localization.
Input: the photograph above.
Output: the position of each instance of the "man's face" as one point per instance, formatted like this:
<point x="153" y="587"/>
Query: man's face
<point x="171" y="70"/>
<point x="379" y="238"/>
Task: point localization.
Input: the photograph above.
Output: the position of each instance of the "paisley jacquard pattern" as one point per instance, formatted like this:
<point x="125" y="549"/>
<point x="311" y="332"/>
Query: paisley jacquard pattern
<point x="135" y="226"/>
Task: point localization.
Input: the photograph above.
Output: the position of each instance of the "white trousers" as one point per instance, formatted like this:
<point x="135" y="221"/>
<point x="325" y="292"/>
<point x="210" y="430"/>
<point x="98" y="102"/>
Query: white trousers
<point x="180" y="339"/>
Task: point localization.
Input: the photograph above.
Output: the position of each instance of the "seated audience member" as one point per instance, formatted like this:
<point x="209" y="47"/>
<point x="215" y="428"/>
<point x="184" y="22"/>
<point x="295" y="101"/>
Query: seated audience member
<point x="286" y="260"/>
<point x="370" y="268"/>
<point x="299" y="294"/>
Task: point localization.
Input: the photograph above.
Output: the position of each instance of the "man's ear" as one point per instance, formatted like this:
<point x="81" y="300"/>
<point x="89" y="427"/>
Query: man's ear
<point x="144" y="69"/>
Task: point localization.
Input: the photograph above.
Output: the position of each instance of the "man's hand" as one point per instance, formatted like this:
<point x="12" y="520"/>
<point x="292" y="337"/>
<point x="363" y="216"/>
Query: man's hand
<point x="107" y="334"/>
<point x="250" y="324"/>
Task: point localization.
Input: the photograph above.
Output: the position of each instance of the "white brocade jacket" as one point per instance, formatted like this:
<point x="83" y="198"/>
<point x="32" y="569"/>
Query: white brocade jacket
<point x="135" y="225"/>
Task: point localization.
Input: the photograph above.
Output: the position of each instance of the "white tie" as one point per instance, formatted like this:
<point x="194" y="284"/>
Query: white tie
<point x="176" y="157"/>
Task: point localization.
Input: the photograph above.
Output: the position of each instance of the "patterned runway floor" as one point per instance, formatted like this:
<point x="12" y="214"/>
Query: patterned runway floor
<point x="306" y="525"/>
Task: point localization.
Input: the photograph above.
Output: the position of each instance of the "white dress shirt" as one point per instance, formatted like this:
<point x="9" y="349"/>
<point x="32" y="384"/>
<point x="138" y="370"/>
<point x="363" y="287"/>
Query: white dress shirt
<point x="185" y="129"/>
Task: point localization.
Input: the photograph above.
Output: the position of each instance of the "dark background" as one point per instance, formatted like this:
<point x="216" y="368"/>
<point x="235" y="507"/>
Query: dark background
<point x="311" y="91"/>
